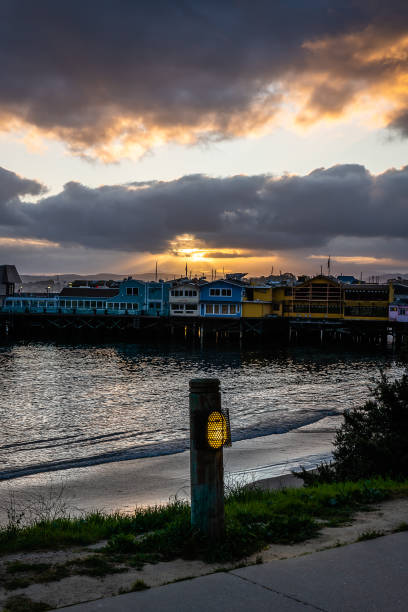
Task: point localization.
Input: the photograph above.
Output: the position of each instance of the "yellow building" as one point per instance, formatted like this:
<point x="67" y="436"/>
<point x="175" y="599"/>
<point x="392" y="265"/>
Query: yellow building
<point x="257" y="302"/>
<point x="317" y="298"/>
<point x="367" y="302"/>
<point x="325" y="298"/>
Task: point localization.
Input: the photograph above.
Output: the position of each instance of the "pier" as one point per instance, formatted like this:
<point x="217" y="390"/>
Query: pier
<point x="199" y="330"/>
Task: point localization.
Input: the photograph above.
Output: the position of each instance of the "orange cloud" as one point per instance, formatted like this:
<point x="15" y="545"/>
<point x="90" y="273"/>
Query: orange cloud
<point x="364" y="73"/>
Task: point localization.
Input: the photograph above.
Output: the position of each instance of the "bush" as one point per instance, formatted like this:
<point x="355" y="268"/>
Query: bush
<point x="373" y="439"/>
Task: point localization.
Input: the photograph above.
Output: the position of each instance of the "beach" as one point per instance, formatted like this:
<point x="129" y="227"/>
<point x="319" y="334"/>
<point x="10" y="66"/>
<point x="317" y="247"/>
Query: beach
<point x="123" y="485"/>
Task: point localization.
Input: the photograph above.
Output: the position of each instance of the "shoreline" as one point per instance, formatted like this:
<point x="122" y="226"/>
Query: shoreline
<point x="123" y="485"/>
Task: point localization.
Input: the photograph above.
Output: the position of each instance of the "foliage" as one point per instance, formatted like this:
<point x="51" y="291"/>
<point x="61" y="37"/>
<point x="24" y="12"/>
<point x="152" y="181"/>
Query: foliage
<point x="372" y="441"/>
<point x="21" y="603"/>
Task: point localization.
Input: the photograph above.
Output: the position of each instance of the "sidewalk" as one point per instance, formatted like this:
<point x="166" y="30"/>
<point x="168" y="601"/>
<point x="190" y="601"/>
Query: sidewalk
<point x="369" y="576"/>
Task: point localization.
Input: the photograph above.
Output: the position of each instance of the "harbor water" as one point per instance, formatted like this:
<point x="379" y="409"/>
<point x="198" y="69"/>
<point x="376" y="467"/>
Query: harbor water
<point x="66" y="406"/>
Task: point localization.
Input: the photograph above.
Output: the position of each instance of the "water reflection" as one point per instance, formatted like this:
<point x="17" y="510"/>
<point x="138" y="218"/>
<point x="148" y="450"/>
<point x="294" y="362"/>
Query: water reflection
<point x="69" y="405"/>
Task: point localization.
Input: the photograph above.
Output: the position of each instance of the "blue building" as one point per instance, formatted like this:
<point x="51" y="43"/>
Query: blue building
<point x="139" y="297"/>
<point x="132" y="297"/>
<point x="221" y="298"/>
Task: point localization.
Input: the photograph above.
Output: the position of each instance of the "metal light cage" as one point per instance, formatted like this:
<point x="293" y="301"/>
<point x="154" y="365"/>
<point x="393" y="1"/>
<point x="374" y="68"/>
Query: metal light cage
<point x="218" y="429"/>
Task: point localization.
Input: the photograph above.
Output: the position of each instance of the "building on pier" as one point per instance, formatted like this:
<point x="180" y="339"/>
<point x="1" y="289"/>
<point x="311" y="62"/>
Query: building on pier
<point x="184" y="297"/>
<point x="367" y="302"/>
<point x="142" y="298"/>
<point x="325" y="298"/>
<point x="86" y="300"/>
<point x="320" y="297"/>
<point x="257" y="301"/>
<point x="9" y="279"/>
<point x="398" y="308"/>
<point x="221" y="298"/>
<point x="36" y="303"/>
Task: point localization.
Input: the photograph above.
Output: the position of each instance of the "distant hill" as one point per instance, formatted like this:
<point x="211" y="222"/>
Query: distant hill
<point x="39" y="282"/>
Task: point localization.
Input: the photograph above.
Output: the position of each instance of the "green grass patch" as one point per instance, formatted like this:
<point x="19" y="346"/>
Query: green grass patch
<point x="94" y="566"/>
<point x="139" y="585"/>
<point x="370" y="535"/>
<point x="401" y="527"/>
<point x="91" y="528"/>
<point x="21" y="603"/>
<point x="18" y="575"/>
<point x="254" y="518"/>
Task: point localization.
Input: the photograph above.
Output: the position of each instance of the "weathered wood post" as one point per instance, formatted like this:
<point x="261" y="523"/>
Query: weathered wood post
<point x="209" y="432"/>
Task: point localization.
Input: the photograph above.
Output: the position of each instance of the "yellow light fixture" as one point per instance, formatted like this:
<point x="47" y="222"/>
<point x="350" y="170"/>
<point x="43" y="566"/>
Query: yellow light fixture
<point x="217" y="430"/>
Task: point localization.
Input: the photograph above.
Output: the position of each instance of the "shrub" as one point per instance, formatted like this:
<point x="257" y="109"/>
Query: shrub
<point x="373" y="439"/>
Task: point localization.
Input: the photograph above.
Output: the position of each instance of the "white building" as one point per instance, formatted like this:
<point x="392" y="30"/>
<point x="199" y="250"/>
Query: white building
<point x="184" y="299"/>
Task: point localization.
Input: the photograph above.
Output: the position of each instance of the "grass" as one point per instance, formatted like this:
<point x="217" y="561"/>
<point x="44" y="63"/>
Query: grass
<point x="19" y="575"/>
<point x="401" y="527"/>
<point x="91" y="528"/>
<point x="139" y="585"/>
<point x="21" y="603"/>
<point x="370" y="535"/>
<point x="254" y="519"/>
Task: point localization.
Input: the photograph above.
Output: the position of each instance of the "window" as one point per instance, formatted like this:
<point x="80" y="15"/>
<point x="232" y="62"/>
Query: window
<point x="87" y="304"/>
<point x="99" y="305"/>
<point x="208" y="308"/>
<point x="215" y="291"/>
<point x="191" y="306"/>
<point x="194" y="293"/>
<point x="132" y="290"/>
<point x="74" y="303"/>
<point x="225" y="309"/>
<point x="123" y="306"/>
<point x="216" y="308"/>
<point x="232" y="308"/>
<point x="176" y="306"/>
<point x="155" y="305"/>
<point x="226" y="292"/>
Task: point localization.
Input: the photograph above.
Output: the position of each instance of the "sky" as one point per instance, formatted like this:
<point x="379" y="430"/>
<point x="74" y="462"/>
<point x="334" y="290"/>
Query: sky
<point x="234" y="136"/>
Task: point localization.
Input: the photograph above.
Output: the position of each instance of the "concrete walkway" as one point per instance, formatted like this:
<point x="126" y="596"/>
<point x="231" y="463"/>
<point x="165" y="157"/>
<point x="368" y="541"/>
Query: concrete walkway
<point x="369" y="576"/>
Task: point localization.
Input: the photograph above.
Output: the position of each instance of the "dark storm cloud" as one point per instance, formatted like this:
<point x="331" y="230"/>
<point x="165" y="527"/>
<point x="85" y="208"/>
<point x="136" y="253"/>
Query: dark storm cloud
<point x="11" y="187"/>
<point x="241" y="212"/>
<point x="94" y="72"/>
<point x="399" y="123"/>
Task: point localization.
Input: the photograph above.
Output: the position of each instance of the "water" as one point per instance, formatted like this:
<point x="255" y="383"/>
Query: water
<point x="68" y="405"/>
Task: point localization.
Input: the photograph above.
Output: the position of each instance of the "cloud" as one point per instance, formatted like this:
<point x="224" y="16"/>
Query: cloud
<point x="344" y="210"/>
<point x="12" y="187"/>
<point x="124" y="77"/>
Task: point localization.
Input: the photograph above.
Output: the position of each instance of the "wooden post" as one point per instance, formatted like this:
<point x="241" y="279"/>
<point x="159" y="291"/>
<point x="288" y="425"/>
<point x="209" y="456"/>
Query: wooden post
<point x="206" y="463"/>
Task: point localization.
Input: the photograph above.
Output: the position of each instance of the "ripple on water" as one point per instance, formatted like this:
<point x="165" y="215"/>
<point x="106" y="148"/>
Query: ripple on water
<point x="66" y="405"/>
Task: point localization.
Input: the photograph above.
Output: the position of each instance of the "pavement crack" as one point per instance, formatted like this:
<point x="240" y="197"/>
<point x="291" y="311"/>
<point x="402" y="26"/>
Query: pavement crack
<point x="300" y="601"/>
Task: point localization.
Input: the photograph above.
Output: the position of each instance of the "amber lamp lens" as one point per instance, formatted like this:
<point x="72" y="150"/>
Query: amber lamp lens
<point x="216" y="429"/>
